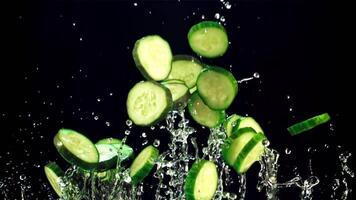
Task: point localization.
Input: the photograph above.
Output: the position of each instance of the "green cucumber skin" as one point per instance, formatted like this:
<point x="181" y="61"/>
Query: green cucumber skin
<point x="238" y="132"/>
<point x="246" y="149"/>
<point x="207" y="24"/>
<point x="221" y="113"/>
<point x="169" y="103"/>
<point x="308" y="124"/>
<point x="229" y="75"/>
<point x="146" y="169"/>
<point x="57" y="170"/>
<point x="71" y="158"/>
<point x="137" y="61"/>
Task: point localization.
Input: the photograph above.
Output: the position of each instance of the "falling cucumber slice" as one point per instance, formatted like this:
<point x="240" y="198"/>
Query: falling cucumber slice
<point x="108" y="156"/>
<point x="185" y="68"/>
<point x="202" y="181"/>
<point x="202" y="114"/>
<point x="308" y="124"/>
<point x="54" y="173"/>
<point x="230" y="123"/>
<point x="180" y="92"/>
<point x="153" y="57"/>
<point x="208" y="39"/>
<point x="217" y="87"/>
<point x="148" y="102"/>
<point x="76" y="149"/>
<point x="124" y="151"/>
<point x="143" y="164"/>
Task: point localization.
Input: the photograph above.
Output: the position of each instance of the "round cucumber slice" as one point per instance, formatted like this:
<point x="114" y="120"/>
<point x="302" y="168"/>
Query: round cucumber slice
<point x="148" y="102"/>
<point x="308" y="124"/>
<point x="76" y="149"/>
<point x="201" y="181"/>
<point x="202" y="114"/>
<point x="54" y="173"/>
<point x="208" y="39"/>
<point x="143" y="164"/>
<point x="217" y="87"/>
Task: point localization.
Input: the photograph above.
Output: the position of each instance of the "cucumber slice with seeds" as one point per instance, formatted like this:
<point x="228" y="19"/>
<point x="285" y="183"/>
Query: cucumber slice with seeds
<point x="308" y="124"/>
<point x="54" y="173"/>
<point x="202" y="114"/>
<point x="245" y="122"/>
<point x="217" y="87"/>
<point x="202" y="181"/>
<point x="76" y="149"/>
<point x="185" y="68"/>
<point x="143" y="164"/>
<point x="230" y="123"/>
<point x="124" y="151"/>
<point x="180" y="92"/>
<point x="208" y="39"/>
<point x="108" y="156"/>
<point x="148" y="102"/>
<point x="153" y="57"/>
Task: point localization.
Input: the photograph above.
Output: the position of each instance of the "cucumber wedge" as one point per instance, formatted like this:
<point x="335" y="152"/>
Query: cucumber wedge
<point x="180" y="92"/>
<point x="208" y="39"/>
<point x="201" y="181"/>
<point x="217" y="87"/>
<point x="76" y="149"/>
<point x="202" y="114"/>
<point x="245" y="122"/>
<point x="308" y="124"/>
<point x="185" y="68"/>
<point x="148" y="102"/>
<point x="250" y="153"/>
<point x="108" y="156"/>
<point x="230" y="123"/>
<point x="153" y="57"/>
<point x="124" y="151"/>
<point x="54" y="173"/>
<point x="143" y="164"/>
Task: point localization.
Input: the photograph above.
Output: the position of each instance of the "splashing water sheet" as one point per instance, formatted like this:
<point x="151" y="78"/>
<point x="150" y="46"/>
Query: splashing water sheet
<point x="74" y="70"/>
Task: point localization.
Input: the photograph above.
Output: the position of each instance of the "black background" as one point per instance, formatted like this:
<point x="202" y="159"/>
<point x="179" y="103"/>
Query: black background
<point x="50" y="78"/>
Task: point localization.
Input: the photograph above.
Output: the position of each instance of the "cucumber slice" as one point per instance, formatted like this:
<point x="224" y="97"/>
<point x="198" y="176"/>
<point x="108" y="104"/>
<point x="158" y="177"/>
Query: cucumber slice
<point x="201" y="181"/>
<point x="230" y="123"/>
<point x="153" y="57"/>
<point x="54" y="173"/>
<point x="193" y="89"/>
<point x="148" y="102"/>
<point x="208" y="39"/>
<point x="233" y="146"/>
<point x="124" y="151"/>
<point x="202" y="114"/>
<point x="180" y="92"/>
<point x="217" y="87"/>
<point x="250" y="153"/>
<point x="185" y="68"/>
<point x="245" y="122"/>
<point x="76" y="149"/>
<point x="143" y="164"/>
<point x="308" y="124"/>
<point x="108" y="156"/>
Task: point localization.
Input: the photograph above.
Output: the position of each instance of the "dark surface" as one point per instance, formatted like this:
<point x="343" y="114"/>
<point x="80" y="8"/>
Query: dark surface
<point x="54" y="80"/>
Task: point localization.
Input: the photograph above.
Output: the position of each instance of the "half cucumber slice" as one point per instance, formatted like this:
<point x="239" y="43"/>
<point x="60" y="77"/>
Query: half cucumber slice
<point x="54" y="173"/>
<point x="308" y="124"/>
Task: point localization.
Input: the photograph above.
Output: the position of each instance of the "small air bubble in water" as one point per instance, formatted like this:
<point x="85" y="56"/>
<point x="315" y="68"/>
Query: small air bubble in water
<point x="156" y="143"/>
<point x="256" y="75"/>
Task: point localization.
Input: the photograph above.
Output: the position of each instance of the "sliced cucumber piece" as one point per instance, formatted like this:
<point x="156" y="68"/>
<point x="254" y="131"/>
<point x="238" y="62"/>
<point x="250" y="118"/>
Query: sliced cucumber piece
<point x="250" y="153"/>
<point x="76" y="149"/>
<point x="230" y="123"/>
<point x="54" y="173"/>
<point x="233" y="146"/>
<point x="208" y="39"/>
<point x="201" y="181"/>
<point x="123" y="150"/>
<point x="153" y="57"/>
<point x="108" y="156"/>
<point x="245" y="122"/>
<point x="180" y="92"/>
<point x="202" y="114"/>
<point x="148" y="102"/>
<point x="217" y="87"/>
<point x="185" y="68"/>
<point x="143" y="164"/>
<point x="192" y="90"/>
<point x="308" y="124"/>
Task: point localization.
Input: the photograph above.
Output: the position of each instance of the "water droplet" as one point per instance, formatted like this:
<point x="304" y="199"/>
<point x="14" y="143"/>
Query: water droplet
<point x="156" y="143"/>
<point x="144" y="142"/>
<point x="256" y="75"/>
<point x="22" y="177"/>
<point x="222" y="19"/>
<point x="203" y="17"/>
<point x="290" y="109"/>
<point x="288" y="151"/>
<point x="227" y="5"/>
<point x="73" y="24"/>
<point x="135" y="4"/>
<point x="144" y="135"/>
<point x="96" y="117"/>
<point x="266" y="143"/>
<point x="98" y="99"/>
<point x="288" y="96"/>
<point x="107" y="123"/>
<point x="217" y="16"/>
<point x="129" y="123"/>
<point x="127" y="132"/>
<point x="110" y="94"/>
<point x="152" y="128"/>
<point x="80" y="39"/>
